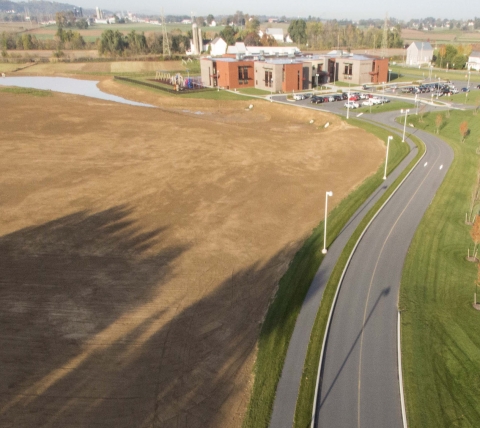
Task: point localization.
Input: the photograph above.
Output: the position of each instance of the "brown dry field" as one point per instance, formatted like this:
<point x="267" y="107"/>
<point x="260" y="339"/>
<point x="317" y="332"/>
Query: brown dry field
<point x="139" y="249"/>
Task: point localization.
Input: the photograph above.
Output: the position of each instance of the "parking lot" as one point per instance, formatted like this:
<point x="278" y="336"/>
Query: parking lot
<point x="428" y="92"/>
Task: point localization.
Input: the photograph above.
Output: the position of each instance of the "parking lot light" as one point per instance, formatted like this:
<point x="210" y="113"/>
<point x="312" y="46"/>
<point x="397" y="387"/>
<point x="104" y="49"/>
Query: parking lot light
<point x="386" y="157"/>
<point x="405" y="124"/>
<point x="327" y="194"/>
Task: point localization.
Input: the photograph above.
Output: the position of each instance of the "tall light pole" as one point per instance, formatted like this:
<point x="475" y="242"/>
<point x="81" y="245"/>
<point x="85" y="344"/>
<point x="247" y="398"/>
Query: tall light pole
<point x="348" y="100"/>
<point x="271" y="90"/>
<point x="327" y="194"/>
<point x="386" y="158"/>
<point x="389" y="71"/>
<point x="405" y="124"/>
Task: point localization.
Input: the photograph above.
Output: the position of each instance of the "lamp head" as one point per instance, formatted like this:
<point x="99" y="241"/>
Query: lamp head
<point x="330" y="193"/>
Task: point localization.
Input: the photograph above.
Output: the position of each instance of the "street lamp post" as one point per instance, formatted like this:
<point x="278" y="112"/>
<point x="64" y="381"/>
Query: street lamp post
<point x="405" y="124"/>
<point x="389" y="71"/>
<point x="348" y="100"/>
<point x="327" y="194"/>
<point x="271" y="90"/>
<point x="386" y="157"/>
<point x="438" y="87"/>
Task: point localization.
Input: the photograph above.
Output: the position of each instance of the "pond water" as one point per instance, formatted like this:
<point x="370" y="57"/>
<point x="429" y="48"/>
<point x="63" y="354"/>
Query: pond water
<point x="66" y="85"/>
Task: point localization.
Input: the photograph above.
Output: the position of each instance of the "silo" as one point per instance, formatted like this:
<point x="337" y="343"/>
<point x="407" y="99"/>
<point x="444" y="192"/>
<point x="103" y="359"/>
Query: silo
<point x="195" y="40"/>
<point x="200" y="40"/>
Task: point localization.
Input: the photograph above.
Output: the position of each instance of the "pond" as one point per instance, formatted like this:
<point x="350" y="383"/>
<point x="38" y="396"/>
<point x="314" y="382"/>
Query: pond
<point x="87" y="88"/>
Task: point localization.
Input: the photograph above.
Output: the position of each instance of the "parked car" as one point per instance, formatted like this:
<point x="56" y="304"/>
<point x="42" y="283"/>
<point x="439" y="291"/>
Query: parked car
<point x="368" y="102"/>
<point x="331" y="98"/>
<point x="344" y="96"/>
<point x="337" y="97"/>
<point x="465" y="89"/>
<point x="326" y="99"/>
<point x="384" y="100"/>
<point x="351" y="104"/>
<point x="298" y="97"/>
<point x="376" y="100"/>
<point x="316" y="100"/>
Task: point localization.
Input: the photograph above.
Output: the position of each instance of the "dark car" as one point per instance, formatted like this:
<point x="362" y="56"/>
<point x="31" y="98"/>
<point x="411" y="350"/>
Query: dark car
<point x="478" y="86"/>
<point x="316" y="100"/>
<point x="337" y="97"/>
<point x="465" y="90"/>
<point x="344" y="95"/>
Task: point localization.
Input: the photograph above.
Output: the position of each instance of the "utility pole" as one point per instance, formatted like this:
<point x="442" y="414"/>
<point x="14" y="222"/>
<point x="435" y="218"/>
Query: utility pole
<point x="385" y="38"/>
<point x="166" y="44"/>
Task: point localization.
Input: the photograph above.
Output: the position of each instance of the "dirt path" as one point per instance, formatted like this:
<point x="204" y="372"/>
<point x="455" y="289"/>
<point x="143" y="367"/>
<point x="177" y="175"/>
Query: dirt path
<point x="139" y="249"/>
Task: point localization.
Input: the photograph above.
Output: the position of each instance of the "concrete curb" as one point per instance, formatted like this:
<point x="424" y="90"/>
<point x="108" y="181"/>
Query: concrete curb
<point x="400" y="373"/>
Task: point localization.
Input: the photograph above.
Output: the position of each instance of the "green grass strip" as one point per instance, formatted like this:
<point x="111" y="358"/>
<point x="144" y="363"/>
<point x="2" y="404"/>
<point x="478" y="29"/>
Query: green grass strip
<point x="306" y="395"/>
<point x="440" y="328"/>
<point x="282" y="314"/>
<point x="26" y="91"/>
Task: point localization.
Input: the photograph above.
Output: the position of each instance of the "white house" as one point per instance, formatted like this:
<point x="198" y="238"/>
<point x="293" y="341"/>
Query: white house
<point x="419" y="53"/>
<point x="218" y="46"/>
<point x="276" y="33"/>
<point x="474" y="61"/>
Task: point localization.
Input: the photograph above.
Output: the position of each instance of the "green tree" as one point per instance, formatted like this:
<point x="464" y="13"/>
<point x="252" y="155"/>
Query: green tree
<point x="298" y="31"/>
<point x="253" y="25"/>
<point x="111" y="43"/>
<point x="210" y="19"/>
<point x="27" y="42"/>
<point x="228" y="34"/>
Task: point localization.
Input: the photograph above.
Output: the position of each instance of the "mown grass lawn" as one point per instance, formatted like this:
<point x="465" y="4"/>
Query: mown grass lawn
<point x="440" y="328"/>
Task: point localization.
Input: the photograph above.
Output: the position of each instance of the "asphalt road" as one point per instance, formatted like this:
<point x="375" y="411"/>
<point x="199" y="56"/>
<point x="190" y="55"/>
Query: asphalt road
<point x="342" y="387"/>
<point x="289" y="383"/>
<point x="359" y="386"/>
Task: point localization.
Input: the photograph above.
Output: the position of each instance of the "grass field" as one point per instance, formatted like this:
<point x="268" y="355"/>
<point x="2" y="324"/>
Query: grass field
<point x="283" y="312"/>
<point x="380" y="108"/>
<point x="440" y="329"/>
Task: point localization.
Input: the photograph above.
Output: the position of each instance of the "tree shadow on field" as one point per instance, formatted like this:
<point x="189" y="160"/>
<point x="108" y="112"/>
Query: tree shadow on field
<point x="62" y="286"/>
<point x="82" y="338"/>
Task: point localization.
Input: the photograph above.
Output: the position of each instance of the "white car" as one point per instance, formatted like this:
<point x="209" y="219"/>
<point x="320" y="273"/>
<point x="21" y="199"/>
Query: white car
<point x="298" y="97"/>
<point x="351" y="104"/>
<point x="376" y="100"/>
<point x="368" y="102"/>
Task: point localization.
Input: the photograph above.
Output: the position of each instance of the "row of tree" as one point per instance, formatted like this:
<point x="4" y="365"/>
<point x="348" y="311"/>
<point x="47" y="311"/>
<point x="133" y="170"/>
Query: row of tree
<point x="114" y="43"/>
<point x="325" y="35"/>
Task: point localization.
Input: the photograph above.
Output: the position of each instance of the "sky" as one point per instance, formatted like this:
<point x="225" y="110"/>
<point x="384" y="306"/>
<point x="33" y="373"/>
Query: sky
<point x="344" y="9"/>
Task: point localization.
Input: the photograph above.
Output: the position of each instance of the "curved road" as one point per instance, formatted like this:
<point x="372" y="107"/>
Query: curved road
<point x="359" y="384"/>
<point x="359" y="378"/>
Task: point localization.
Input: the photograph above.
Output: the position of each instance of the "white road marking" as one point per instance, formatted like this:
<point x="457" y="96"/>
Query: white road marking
<point x="425" y="164"/>
<point x="359" y="114"/>
<point x="441" y="166"/>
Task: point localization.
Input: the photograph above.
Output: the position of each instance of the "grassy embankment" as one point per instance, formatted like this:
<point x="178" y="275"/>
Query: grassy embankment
<point x="26" y="91"/>
<point x="282" y="314"/>
<point x="440" y="329"/>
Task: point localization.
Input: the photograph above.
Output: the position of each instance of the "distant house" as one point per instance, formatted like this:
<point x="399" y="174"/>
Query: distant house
<point x="218" y="46"/>
<point x="419" y="53"/>
<point x="474" y="61"/>
<point x="276" y="33"/>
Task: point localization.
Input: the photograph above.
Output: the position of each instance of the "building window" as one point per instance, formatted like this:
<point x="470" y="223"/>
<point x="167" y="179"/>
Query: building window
<point x="298" y="80"/>
<point x="268" y="78"/>
<point x="319" y="68"/>
<point x="348" y="69"/>
<point x="242" y="75"/>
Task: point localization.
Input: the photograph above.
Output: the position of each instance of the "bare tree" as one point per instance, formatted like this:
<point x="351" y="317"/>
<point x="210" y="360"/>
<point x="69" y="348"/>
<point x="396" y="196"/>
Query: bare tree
<point x="463" y="130"/>
<point x="438" y="122"/>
